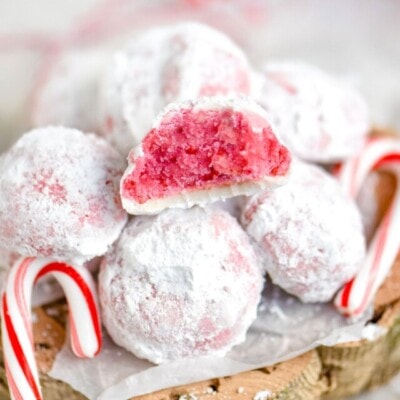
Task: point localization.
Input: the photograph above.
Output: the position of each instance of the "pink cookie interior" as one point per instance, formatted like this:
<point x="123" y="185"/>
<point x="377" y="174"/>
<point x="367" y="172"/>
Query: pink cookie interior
<point x="199" y="150"/>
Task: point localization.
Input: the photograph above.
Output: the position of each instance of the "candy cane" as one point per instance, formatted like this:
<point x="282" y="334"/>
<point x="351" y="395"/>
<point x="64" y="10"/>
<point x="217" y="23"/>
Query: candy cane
<point x="379" y="153"/>
<point x="17" y="337"/>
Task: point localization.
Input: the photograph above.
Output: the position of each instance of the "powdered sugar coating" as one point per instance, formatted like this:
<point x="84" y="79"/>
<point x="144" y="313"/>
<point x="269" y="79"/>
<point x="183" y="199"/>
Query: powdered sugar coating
<point x="70" y="94"/>
<point x="232" y="206"/>
<point x="7" y="258"/>
<point x="181" y="284"/>
<point x="319" y="117"/>
<point x="164" y="65"/>
<point x="202" y="151"/>
<point x="309" y="233"/>
<point x="59" y="195"/>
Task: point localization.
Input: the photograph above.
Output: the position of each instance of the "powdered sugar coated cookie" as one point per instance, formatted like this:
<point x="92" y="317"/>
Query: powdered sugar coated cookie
<point x="59" y="195"/>
<point x="182" y="284"/>
<point x="168" y="64"/>
<point x="319" y="117"/>
<point x="308" y="232"/>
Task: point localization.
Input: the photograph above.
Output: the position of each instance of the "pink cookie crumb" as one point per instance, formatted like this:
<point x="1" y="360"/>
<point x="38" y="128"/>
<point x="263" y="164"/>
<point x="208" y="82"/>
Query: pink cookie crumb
<point x="199" y="150"/>
<point x="198" y="147"/>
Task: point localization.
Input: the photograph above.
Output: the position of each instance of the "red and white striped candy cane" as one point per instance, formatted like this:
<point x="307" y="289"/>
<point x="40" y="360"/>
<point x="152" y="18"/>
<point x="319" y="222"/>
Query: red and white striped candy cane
<point x="380" y="153"/>
<point x="17" y="336"/>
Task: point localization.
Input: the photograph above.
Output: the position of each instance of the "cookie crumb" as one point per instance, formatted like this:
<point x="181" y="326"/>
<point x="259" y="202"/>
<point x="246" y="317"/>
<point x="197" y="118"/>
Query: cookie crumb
<point x="262" y="395"/>
<point x="34" y="318"/>
<point x="53" y="312"/>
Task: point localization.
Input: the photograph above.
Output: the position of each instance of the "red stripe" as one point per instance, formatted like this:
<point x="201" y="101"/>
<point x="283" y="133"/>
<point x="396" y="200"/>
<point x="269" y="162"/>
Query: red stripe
<point x="87" y="293"/>
<point x="389" y="158"/>
<point x="355" y="167"/>
<point x="346" y="293"/>
<point x="75" y="339"/>
<point x="11" y="383"/>
<point x="20" y="294"/>
<point x="376" y="262"/>
<point x="19" y="352"/>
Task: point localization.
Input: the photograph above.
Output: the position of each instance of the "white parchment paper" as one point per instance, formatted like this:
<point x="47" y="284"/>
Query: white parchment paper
<point x="285" y="328"/>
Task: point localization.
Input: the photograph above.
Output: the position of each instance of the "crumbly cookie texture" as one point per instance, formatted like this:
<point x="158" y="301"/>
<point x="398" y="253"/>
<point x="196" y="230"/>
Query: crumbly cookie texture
<point x="59" y="195"/>
<point x="203" y="151"/>
<point x="182" y="284"/>
<point x="309" y="233"/>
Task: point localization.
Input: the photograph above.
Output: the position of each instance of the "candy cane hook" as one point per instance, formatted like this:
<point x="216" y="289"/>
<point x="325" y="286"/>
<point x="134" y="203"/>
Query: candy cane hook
<point x="356" y="295"/>
<point x="17" y="337"/>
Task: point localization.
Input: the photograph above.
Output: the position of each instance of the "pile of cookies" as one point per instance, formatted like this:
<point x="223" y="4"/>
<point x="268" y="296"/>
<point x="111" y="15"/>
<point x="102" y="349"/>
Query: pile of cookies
<point x="286" y="148"/>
